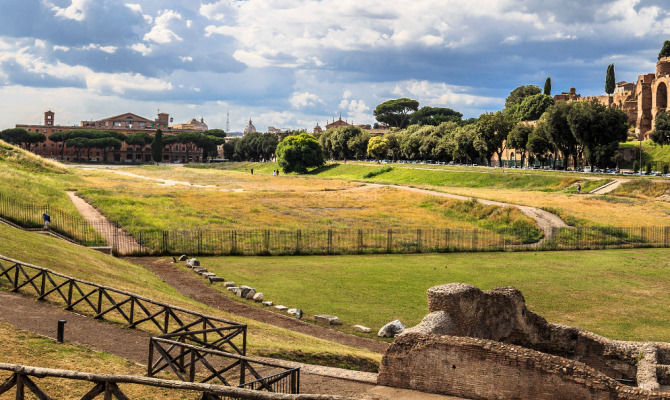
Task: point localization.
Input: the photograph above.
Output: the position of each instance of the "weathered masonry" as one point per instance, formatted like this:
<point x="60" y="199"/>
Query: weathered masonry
<point x="487" y="344"/>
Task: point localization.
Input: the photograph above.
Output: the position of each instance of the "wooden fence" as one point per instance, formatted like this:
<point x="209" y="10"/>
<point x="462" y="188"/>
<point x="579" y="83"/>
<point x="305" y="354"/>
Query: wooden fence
<point x="186" y="361"/>
<point x="105" y="302"/>
<point x="196" y="337"/>
<point x="22" y="380"/>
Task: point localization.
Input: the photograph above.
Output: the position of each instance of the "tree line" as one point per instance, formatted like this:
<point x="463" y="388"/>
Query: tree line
<point x="86" y="140"/>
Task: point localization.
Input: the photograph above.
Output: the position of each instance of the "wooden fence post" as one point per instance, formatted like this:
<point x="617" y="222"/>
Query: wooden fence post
<point x="389" y="241"/>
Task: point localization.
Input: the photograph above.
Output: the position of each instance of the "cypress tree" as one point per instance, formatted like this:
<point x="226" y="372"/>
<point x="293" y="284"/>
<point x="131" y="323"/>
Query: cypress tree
<point x="157" y="146"/>
<point x="610" y="80"/>
<point x="547" y="86"/>
<point x="665" y="51"/>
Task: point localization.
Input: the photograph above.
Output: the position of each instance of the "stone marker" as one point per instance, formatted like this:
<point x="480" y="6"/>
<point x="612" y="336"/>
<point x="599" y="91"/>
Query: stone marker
<point x="392" y="329"/>
<point x="292" y="311"/>
<point x="250" y="294"/>
<point x="199" y="269"/>
<point x="174" y="259"/>
<point x="268" y="303"/>
<point x="229" y="284"/>
<point x="281" y="308"/>
<point x="244" y="289"/>
<point x="215" y="278"/>
<point x="193" y="262"/>
<point x="258" y="297"/>
<point x="298" y="313"/>
<point x="361" y="328"/>
<point x="328" y="319"/>
<point x="183" y="257"/>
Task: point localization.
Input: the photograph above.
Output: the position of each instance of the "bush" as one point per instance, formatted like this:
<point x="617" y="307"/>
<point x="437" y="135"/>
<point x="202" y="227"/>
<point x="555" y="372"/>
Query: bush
<point x="374" y="173"/>
<point x="296" y="153"/>
<point x="648" y="169"/>
<point x="636" y="166"/>
<point x="665" y="169"/>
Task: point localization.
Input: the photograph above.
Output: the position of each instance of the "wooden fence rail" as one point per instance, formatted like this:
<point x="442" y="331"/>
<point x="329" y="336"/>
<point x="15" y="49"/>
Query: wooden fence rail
<point x="134" y="310"/>
<point x="22" y="379"/>
<point x="190" y="363"/>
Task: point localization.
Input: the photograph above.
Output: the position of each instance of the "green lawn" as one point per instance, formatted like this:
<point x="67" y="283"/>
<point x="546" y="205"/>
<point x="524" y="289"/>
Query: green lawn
<point x="621" y="294"/>
<point x="419" y="174"/>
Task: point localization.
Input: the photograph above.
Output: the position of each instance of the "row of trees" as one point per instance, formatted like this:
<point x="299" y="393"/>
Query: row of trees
<point x="106" y="141"/>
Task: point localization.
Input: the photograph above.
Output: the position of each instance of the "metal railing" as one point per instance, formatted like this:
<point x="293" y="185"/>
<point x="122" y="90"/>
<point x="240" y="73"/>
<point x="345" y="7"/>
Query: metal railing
<point x="140" y="241"/>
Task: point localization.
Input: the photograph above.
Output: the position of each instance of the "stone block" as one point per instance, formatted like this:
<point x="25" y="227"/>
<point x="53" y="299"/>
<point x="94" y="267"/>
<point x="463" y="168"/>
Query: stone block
<point x="258" y="297"/>
<point x="281" y="308"/>
<point x="229" y="284"/>
<point x="215" y="278"/>
<point x="361" y="328"/>
<point x="392" y="329"/>
<point x="183" y="257"/>
<point x="250" y="294"/>
<point x="268" y="303"/>
<point x="193" y="262"/>
<point x="328" y="319"/>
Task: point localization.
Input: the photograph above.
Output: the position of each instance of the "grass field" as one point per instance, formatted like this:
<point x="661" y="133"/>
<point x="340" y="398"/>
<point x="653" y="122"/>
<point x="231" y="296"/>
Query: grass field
<point x="96" y="267"/>
<point x="621" y="294"/>
<point x="241" y="201"/>
<point x="542" y="189"/>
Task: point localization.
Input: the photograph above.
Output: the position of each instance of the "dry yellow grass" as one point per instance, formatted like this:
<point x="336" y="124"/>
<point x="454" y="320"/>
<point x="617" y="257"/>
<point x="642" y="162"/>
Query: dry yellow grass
<point x="25" y="348"/>
<point x="595" y="209"/>
<point x="261" y="202"/>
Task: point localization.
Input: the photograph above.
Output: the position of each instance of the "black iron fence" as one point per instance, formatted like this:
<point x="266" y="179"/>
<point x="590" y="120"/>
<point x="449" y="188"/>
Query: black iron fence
<point x="29" y="215"/>
<point x="139" y="241"/>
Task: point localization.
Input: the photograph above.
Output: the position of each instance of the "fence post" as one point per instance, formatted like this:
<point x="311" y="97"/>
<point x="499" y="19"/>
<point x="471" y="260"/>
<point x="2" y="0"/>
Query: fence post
<point x="666" y="236"/>
<point x="389" y="241"/>
<point x="298" y="237"/>
<point x="418" y="240"/>
<point x="360" y="241"/>
<point x="330" y="241"/>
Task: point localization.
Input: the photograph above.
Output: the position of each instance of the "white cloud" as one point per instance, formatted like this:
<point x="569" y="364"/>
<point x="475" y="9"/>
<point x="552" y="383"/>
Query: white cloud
<point x="441" y="94"/>
<point x="75" y="11"/>
<point x="215" y="11"/>
<point x="99" y="82"/>
<point x="186" y="58"/>
<point x="61" y="48"/>
<point x="138" y="9"/>
<point x="141" y="48"/>
<point x="160" y="33"/>
<point x="305" y="99"/>
<point x="106" y="49"/>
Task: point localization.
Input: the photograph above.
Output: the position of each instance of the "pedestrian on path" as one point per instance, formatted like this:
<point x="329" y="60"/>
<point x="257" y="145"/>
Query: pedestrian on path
<point x="252" y="171"/>
<point x="579" y="188"/>
<point x="47" y="220"/>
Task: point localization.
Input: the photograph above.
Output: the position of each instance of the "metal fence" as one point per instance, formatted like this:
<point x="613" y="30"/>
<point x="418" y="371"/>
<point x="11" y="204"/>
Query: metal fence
<point x="29" y="215"/>
<point x="137" y="241"/>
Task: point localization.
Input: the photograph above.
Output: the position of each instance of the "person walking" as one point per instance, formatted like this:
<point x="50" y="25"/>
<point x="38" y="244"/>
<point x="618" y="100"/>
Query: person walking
<point x="47" y="220"/>
<point x="252" y="171"/>
<point x="579" y="188"/>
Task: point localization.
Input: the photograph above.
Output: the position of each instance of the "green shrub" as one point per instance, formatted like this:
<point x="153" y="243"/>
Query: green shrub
<point x="377" y="172"/>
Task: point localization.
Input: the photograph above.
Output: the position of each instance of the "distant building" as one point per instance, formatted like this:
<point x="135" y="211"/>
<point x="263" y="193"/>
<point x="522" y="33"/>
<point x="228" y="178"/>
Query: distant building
<point x="641" y="101"/>
<point x="193" y="125"/>
<point x="127" y="123"/>
<point x="317" y="129"/>
<point x="337" y="124"/>
<point x="250" y="128"/>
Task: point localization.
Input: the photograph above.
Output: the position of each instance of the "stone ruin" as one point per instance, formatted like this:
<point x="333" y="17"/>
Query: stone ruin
<point x="487" y="345"/>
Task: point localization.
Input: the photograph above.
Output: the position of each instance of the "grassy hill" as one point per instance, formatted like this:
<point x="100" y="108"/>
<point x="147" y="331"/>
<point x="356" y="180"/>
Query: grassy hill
<point x="652" y="153"/>
<point x="93" y="266"/>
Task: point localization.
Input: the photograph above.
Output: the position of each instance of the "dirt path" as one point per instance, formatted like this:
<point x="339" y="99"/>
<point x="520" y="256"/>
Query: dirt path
<point x="115" y="237"/>
<point x="544" y="219"/>
<point x="610" y="187"/>
<point x="193" y="286"/>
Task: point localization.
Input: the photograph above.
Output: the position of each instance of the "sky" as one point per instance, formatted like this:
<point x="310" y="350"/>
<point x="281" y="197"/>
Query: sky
<point x="295" y="63"/>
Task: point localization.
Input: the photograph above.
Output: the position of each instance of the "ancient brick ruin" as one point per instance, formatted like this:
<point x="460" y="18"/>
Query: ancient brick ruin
<point x="641" y="101"/>
<point x="487" y="344"/>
